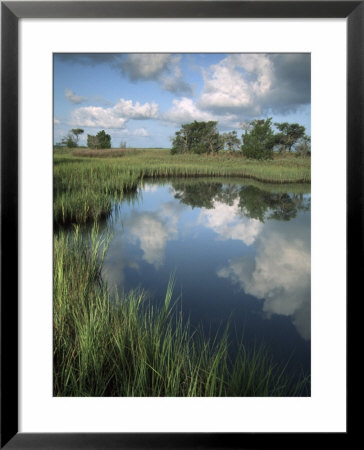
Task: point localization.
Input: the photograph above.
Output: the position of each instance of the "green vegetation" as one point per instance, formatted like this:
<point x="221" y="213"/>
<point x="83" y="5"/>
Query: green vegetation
<point x="197" y="137"/>
<point x="231" y="141"/>
<point x="104" y="153"/>
<point x="101" y="140"/>
<point x="289" y="134"/>
<point x="109" y="346"/>
<point x="77" y="132"/>
<point x="303" y="147"/>
<point x="254" y="202"/>
<point x="258" y="141"/>
<point x="84" y="191"/>
<point x="71" y="139"/>
<point x="86" y="184"/>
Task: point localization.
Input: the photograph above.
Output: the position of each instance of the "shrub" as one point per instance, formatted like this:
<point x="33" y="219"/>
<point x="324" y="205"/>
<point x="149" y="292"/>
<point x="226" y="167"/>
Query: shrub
<point x="258" y="140"/>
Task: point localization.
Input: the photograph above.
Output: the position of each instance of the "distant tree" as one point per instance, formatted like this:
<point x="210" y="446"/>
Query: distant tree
<point x="258" y="139"/>
<point x="77" y="132"/>
<point x="245" y="126"/>
<point x="211" y="139"/>
<point x="104" y="139"/>
<point x="196" y="193"/>
<point x="264" y="205"/>
<point x="122" y="144"/>
<point x="253" y="202"/>
<point x="101" y="140"/>
<point x="197" y="137"/>
<point x="231" y="141"/>
<point x="289" y="134"/>
<point x="69" y="141"/>
<point x="303" y="146"/>
<point x="92" y="141"/>
<point x="181" y="141"/>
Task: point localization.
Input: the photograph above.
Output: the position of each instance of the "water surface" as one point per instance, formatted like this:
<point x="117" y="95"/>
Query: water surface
<point x="239" y="252"/>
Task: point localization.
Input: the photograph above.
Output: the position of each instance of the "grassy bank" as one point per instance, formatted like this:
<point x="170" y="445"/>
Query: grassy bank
<point x="85" y="184"/>
<point x="109" y="346"/>
<point x="285" y="168"/>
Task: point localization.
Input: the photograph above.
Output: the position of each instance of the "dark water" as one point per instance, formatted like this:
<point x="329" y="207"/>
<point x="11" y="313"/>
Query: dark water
<point x="238" y="252"/>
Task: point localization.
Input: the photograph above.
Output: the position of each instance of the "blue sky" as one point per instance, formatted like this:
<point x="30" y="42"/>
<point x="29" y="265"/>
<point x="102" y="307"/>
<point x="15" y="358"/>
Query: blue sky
<point x="143" y="99"/>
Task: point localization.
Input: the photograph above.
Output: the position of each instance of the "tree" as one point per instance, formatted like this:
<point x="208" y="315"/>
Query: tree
<point x="303" y="147"/>
<point x="196" y="193"/>
<point x="104" y="139"/>
<point x="92" y="141"/>
<point x="101" y="140"/>
<point x="77" y="132"/>
<point x="69" y="141"/>
<point x="231" y="141"/>
<point x="258" y="139"/>
<point x="289" y="135"/>
<point x="264" y="205"/>
<point x="123" y="144"/>
<point x="197" y="137"/>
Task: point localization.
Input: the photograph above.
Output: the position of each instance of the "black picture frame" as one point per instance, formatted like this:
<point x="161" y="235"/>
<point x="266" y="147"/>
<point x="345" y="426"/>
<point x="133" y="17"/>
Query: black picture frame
<point x="11" y="12"/>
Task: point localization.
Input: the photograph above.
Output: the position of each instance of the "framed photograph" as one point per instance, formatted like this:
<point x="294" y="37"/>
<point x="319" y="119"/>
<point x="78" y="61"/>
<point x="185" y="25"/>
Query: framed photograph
<point x="166" y="279"/>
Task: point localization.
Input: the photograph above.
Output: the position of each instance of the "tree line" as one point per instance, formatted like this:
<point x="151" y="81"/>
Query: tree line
<point x="253" y="202"/>
<point x="100" y="140"/>
<point x="258" y="141"/>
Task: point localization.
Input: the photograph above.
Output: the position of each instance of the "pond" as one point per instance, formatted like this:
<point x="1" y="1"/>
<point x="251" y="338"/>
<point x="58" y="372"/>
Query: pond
<point x="239" y="252"/>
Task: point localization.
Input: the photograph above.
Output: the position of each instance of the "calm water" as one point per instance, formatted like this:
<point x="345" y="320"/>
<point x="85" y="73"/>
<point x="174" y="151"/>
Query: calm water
<point x="237" y="252"/>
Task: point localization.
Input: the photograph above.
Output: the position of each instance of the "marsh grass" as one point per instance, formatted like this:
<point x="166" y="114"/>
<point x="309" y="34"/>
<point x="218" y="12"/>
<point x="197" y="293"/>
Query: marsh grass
<point x="85" y="186"/>
<point x="110" y="346"/>
<point x="105" y="345"/>
<point x="104" y="153"/>
<point x="84" y="192"/>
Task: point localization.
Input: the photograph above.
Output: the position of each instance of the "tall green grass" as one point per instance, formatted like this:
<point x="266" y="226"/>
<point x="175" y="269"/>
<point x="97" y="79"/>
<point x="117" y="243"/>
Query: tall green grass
<point x="110" y="346"/>
<point x="85" y="187"/>
<point x="84" y="192"/>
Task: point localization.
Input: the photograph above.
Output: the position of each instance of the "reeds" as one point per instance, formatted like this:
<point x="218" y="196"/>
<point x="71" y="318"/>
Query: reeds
<point x="85" y="187"/>
<point x="110" y="346"/>
<point x="84" y="192"/>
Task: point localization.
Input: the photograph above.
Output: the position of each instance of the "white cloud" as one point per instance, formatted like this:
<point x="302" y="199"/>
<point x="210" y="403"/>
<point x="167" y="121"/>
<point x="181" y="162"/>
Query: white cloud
<point x="127" y="109"/>
<point x="96" y="116"/>
<point x="259" y="65"/>
<point x="153" y="230"/>
<point x="115" y="116"/>
<point x="152" y="234"/>
<point x="56" y="121"/>
<point x="228" y="223"/>
<point x="115" y="263"/>
<point x="236" y="82"/>
<point x="256" y="84"/>
<point x="73" y="98"/>
<point x="225" y="89"/>
<point x="185" y="110"/>
<point x="150" y="187"/>
<point x="280" y="274"/>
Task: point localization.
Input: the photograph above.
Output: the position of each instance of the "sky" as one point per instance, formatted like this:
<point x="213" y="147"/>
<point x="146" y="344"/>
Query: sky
<point x="143" y="99"/>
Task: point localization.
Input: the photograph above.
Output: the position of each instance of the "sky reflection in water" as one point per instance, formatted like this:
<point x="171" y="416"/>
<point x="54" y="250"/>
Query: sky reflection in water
<point x="238" y="252"/>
